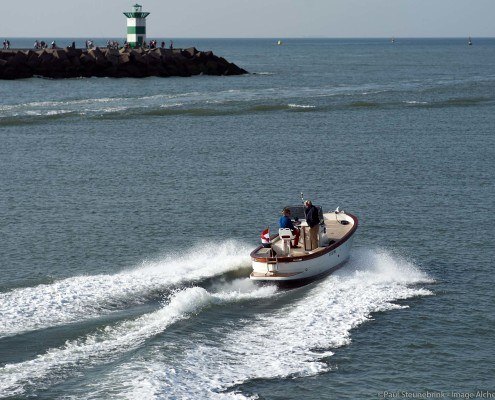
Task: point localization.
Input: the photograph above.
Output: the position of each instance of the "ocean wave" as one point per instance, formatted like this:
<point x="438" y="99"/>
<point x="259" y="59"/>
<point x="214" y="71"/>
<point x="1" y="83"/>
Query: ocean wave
<point x="415" y="102"/>
<point x="294" y="340"/>
<point x="447" y="103"/>
<point x="237" y="102"/>
<point x="292" y="105"/>
<point x="172" y="105"/>
<point x="364" y="104"/>
<point x="85" y="297"/>
<point x="36" y="118"/>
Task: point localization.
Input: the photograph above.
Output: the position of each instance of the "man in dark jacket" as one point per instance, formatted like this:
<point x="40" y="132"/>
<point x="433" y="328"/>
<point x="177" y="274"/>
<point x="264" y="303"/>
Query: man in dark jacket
<point x="313" y="220"/>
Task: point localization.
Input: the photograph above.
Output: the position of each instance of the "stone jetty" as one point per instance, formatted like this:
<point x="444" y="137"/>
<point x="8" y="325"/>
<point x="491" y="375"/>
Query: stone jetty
<point x="103" y="62"/>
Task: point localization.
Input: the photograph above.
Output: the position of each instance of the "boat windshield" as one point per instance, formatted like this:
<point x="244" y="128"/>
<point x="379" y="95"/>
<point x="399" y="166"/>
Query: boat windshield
<point x="297" y="212"/>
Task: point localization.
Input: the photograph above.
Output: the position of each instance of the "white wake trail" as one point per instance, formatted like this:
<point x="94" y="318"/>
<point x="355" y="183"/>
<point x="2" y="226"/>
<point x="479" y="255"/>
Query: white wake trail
<point x="291" y="341"/>
<point x="84" y="297"/>
<point x="107" y="344"/>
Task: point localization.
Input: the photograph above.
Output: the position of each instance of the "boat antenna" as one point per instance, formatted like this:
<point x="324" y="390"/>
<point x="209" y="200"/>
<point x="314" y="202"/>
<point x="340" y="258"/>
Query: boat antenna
<point x="302" y="198"/>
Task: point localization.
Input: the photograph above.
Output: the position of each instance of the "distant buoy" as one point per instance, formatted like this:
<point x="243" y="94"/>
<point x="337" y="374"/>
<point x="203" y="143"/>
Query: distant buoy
<point x="279" y="43"/>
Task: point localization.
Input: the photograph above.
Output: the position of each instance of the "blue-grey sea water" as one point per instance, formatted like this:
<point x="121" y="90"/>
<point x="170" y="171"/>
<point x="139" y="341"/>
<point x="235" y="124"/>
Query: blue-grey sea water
<point x="129" y="207"/>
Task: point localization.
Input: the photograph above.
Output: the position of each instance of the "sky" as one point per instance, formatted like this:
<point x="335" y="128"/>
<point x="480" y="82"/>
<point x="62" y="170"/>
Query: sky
<point x="252" y="18"/>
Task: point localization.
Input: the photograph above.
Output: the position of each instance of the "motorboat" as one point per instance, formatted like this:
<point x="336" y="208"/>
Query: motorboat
<point x="276" y="260"/>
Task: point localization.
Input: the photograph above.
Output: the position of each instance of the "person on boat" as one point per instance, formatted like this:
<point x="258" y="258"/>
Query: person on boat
<point x="313" y="220"/>
<point x="286" y="222"/>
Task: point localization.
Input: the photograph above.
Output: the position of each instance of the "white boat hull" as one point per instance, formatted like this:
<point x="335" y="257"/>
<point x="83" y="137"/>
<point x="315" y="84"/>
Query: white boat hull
<point x="296" y="270"/>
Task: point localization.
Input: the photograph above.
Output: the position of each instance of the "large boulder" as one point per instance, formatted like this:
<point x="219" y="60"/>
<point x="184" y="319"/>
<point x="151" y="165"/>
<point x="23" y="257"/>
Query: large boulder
<point x="190" y="52"/>
<point x="60" y="55"/>
<point x="33" y="59"/>
<point x="112" y="56"/>
<point x="124" y="58"/>
<point x="19" y="57"/>
<point x="11" y="69"/>
<point x="85" y="58"/>
<point x="138" y="58"/>
<point x="99" y="57"/>
<point x="154" y="56"/>
<point x="212" y="67"/>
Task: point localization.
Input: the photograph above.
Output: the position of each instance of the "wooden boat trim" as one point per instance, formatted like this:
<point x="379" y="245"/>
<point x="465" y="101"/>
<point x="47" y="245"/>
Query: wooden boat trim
<point x="274" y="274"/>
<point x="304" y="257"/>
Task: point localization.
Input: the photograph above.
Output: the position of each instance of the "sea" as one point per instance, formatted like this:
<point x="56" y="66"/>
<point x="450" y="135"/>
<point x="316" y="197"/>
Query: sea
<point x="129" y="208"/>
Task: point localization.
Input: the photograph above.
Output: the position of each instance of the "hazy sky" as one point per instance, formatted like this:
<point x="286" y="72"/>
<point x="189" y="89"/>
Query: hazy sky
<point x="252" y="18"/>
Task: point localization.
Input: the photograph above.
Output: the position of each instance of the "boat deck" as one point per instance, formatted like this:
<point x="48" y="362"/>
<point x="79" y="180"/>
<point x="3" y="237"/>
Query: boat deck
<point x="335" y="231"/>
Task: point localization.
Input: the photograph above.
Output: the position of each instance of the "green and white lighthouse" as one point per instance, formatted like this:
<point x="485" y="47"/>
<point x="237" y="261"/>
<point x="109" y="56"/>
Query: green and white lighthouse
<point x="136" y="26"/>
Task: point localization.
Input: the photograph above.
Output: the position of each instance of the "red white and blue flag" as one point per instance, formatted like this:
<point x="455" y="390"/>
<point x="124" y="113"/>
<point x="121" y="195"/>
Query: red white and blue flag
<point x="265" y="236"/>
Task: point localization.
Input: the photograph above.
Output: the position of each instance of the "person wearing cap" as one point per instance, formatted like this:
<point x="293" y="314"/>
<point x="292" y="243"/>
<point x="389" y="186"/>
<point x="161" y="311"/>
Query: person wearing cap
<point x="313" y="221"/>
<point x="286" y="222"/>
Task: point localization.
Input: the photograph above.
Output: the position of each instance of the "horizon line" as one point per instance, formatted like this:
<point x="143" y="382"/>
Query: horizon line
<point x="259" y="38"/>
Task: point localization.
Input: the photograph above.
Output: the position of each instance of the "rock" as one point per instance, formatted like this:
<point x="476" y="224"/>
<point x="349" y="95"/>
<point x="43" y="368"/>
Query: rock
<point x="154" y="55"/>
<point x="99" y="58"/>
<point x="190" y="52"/>
<point x="212" y="68"/>
<point x="112" y="57"/>
<point x="70" y="62"/>
<point x="19" y="57"/>
<point x="45" y="56"/>
<point x="60" y="55"/>
<point x="33" y="59"/>
<point x="124" y="58"/>
<point x="137" y="57"/>
<point x="75" y="61"/>
<point x="193" y="69"/>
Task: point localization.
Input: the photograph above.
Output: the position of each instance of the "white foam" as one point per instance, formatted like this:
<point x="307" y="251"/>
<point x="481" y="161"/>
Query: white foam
<point x="301" y="106"/>
<point x="171" y="105"/>
<point x="108" y="344"/>
<point x="290" y="341"/>
<point x="84" y="297"/>
<point x="44" y="113"/>
<point x="415" y="102"/>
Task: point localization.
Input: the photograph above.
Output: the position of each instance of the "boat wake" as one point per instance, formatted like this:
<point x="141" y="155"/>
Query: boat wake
<point x="81" y="298"/>
<point x="107" y="344"/>
<point x="290" y="334"/>
<point x="292" y="341"/>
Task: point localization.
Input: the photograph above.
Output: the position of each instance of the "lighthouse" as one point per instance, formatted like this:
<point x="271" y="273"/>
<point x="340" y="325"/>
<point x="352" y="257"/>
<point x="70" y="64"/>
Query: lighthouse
<point x="136" y="26"/>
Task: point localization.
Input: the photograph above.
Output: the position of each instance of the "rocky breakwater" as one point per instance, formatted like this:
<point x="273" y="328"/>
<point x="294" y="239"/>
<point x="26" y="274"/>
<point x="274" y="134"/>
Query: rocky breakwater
<point x="124" y="63"/>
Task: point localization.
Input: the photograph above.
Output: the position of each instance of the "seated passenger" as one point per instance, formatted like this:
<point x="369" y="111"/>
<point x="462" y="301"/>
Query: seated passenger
<point x="286" y="222"/>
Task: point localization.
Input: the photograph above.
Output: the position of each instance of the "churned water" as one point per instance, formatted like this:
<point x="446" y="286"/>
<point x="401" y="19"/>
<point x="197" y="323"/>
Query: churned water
<point x="129" y="208"/>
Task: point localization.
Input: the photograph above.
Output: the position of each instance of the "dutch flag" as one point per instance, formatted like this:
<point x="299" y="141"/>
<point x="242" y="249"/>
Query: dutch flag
<point x="265" y="236"/>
